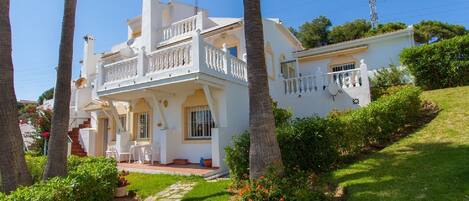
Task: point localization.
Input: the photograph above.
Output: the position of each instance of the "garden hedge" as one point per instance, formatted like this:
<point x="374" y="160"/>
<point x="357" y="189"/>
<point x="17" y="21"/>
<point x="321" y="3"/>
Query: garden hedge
<point x="316" y="144"/>
<point x="439" y="65"/>
<point x="88" y="179"/>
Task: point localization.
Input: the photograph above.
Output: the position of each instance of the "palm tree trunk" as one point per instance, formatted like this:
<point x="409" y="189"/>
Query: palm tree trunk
<point x="57" y="154"/>
<point x="13" y="169"/>
<point x="264" y="150"/>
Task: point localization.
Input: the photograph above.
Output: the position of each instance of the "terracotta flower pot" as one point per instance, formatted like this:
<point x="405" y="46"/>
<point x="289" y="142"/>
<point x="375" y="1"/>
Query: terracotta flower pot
<point x="208" y="163"/>
<point x="121" y="192"/>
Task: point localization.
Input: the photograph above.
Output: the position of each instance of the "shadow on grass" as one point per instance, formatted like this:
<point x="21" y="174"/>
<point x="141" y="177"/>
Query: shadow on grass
<point x="208" y="197"/>
<point x="434" y="171"/>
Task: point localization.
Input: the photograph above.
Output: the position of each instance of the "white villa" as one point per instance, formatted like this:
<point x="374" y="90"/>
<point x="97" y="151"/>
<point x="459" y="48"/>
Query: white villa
<point x="177" y="89"/>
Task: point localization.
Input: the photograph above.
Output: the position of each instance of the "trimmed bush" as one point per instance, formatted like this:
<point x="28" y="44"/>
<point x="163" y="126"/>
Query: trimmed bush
<point x="439" y="65"/>
<point x="89" y="179"/>
<point x="305" y="145"/>
<point x="316" y="144"/>
<point x="375" y="123"/>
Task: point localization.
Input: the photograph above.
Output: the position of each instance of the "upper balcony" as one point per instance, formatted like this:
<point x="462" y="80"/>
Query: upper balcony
<point x="183" y="61"/>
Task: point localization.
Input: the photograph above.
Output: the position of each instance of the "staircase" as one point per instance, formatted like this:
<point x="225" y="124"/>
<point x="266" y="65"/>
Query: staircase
<point x="77" y="150"/>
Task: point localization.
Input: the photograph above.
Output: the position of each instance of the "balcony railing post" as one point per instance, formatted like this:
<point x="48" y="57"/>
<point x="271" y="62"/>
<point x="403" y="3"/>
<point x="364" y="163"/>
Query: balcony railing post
<point x="199" y="21"/>
<point x="141" y="62"/>
<point x="226" y="60"/>
<point x="197" y="51"/>
<point x="100" y="77"/>
<point x="365" y="81"/>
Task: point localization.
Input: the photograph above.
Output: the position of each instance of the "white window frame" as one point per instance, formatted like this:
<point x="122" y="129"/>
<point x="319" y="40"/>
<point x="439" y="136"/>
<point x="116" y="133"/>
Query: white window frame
<point x="145" y="135"/>
<point x="290" y="67"/>
<point x="201" y="126"/>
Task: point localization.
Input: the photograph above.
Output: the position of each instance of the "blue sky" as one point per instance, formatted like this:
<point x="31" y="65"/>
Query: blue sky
<point x="36" y="26"/>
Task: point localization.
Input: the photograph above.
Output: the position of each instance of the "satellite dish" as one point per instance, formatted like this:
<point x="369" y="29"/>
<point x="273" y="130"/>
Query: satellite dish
<point x="334" y="90"/>
<point x="129" y="51"/>
<point x="131" y="42"/>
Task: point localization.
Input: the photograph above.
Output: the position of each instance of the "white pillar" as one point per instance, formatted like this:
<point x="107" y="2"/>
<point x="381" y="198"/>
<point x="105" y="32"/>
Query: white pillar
<point x="142" y="63"/>
<point x="164" y="152"/>
<point x="365" y="81"/>
<point x="152" y="21"/>
<point x="215" y="145"/>
<point x="198" y="53"/>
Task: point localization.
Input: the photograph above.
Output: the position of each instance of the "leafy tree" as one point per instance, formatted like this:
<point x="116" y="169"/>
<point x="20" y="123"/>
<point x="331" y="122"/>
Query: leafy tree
<point x="349" y="31"/>
<point x="427" y="31"/>
<point x="314" y="33"/>
<point x="13" y="169"/>
<point x="46" y="95"/>
<point x="264" y="149"/>
<point x="386" y="28"/>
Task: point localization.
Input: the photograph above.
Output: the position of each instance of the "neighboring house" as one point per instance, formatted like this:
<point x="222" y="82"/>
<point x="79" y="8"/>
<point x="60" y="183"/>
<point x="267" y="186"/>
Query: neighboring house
<point x="179" y="84"/>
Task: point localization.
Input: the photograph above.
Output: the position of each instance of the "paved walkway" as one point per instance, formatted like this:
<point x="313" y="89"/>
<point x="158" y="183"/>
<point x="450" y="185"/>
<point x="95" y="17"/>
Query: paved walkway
<point x="173" y="193"/>
<point x="190" y="169"/>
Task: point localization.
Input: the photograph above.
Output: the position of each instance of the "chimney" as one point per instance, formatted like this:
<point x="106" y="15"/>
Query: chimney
<point x="89" y="59"/>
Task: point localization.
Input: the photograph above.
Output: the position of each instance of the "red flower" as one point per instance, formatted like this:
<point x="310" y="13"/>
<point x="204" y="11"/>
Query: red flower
<point x="45" y="134"/>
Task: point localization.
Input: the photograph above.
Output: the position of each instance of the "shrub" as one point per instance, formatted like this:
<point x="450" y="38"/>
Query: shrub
<point x="305" y="144"/>
<point x="95" y="179"/>
<point x="36" y="166"/>
<point x="388" y="77"/>
<point x="297" y="186"/>
<point x="88" y="179"/>
<point x="375" y="123"/>
<point x="316" y="144"/>
<point x="282" y="116"/>
<point x="237" y="158"/>
<point x="439" y="65"/>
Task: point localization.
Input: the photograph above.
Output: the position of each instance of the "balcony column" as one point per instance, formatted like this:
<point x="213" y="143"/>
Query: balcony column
<point x="226" y="60"/>
<point x="100" y="77"/>
<point x="198" y="52"/>
<point x="200" y="19"/>
<point x="365" y="80"/>
<point x="142" y="63"/>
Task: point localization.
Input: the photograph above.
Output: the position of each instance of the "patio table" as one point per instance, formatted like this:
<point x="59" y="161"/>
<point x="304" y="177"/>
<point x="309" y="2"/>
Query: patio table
<point x="138" y="152"/>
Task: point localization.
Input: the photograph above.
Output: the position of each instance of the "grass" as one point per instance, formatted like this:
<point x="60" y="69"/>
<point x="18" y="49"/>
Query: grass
<point x="430" y="164"/>
<point x="145" y="185"/>
<point x="212" y="191"/>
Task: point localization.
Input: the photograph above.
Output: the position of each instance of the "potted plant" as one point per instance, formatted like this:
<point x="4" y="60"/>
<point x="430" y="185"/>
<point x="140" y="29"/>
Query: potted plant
<point x="208" y="163"/>
<point x="122" y="183"/>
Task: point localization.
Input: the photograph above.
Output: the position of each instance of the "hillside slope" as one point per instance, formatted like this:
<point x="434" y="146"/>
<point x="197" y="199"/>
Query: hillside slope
<point x="431" y="164"/>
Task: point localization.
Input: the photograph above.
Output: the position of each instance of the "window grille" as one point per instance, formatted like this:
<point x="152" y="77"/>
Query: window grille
<point x="200" y="122"/>
<point x="143" y="126"/>
<point x="123" y="121"/>
<point x="342" y="67"/>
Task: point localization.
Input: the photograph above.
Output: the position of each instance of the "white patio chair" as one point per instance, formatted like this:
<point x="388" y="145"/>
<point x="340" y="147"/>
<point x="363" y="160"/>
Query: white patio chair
<point x="119" y="154"/>
<point x="111" y="151"/>
<point x="147" y="152"/>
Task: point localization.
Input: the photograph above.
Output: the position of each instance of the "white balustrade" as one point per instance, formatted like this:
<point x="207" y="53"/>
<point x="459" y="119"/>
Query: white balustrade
<point x="223" y="62"/>
<point x="194" y="56"/>
<point x="346" y="79"/>
<point x="214" y="58"/>
<point x="311" y="83"/>
<point x="121" y="70"/>
<point x="238" y="69"/>
<point x="180" y="28"/>
<point x="170" y="58"/>
<point x="304" y="84"/>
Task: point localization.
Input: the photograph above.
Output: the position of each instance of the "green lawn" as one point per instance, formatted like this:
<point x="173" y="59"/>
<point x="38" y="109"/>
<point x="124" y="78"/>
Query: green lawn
<point x="146" y="185"/>
<point x="430" y="164"/>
